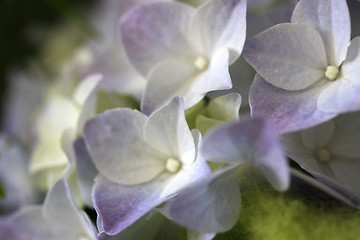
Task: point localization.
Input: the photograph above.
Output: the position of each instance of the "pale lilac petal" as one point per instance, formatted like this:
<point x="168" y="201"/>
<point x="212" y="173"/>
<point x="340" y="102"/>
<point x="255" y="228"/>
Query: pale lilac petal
<point x="220" y="24"/>
<point x="225" y="107"/>
<point x="346" y="138"/>
<point x="153" y="32"/>
<point x="318" y="136"/>
<point x="213" y="205"/>
<point x="289" y="56"/>
<point x="85" y="170"/>
<point x="171" y="78"/>
<point x="119" y="206"/>
<point x="167" y="131"/>
<point x="58" y="219"/>
<point x="253" y="141"/>
<point x="118" y="149"/>
<point x="288" y="110"/>
<point x="331" y="19"/>
<point x="343" y="94"/>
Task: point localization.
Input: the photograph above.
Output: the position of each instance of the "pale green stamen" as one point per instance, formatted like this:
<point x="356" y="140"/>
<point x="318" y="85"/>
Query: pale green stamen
<point x="323" y="155"/>
<point x="332" y="72"/>
<point x="173" y="165"/>
<point x="201" y="63"/>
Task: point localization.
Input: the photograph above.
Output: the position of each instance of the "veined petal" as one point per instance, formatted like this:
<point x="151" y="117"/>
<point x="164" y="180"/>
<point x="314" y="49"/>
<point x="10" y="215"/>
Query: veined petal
<point x="119" y="206"/>
<point x="289" y="56"/>
<point x="343" y="94"/>
<point x="220" y="24"/>
<point x="153" y="32"/>
<point x="288" y="110"/>
<point x="167" y="131"/>
<point x="331" y="19"/>
<point x="118" y="148"/>
<point x="171" y="78"/>
<point x="212" y="205"/>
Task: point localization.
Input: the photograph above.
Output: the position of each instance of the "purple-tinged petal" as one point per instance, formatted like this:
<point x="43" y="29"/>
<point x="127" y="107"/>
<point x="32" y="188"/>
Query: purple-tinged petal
<point x="289" y="56"/>
<point x="332" y="20"/>
<point x="220" y="24"/>
<point x="85" y="170"/>
<point x="167" y="131"/>
<point x="288" y="110"/>
<point x="153" y="32"/>
<point x="343" y="94"/>
<point x="253" y="141"/>
<point x="119" y="206"/>
<point x="118" y="149"/>
<point x="319" y="136"/>
<point x="212" y="205"/>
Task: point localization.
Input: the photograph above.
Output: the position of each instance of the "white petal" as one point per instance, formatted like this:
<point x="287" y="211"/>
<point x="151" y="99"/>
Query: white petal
<point x="289" y="56"/>
<point x="167" y="131"/>
<point x="331" y="19"/>
<point x="153" y="32"/>
<point x="119" y="151"/>
<point x="220" y="24"/>
<point x="171" y="78"/>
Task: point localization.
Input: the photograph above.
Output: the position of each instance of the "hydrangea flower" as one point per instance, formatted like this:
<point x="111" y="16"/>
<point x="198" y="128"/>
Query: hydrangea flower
<point x="57" y="219"/>
<point x="48" y="160"/>
<point x="308" y="73"/>
<point x="183" y="51"/>
<point x="143" y="161"/>
<point x="213" y="204"/>
<point x="329" y="151"/>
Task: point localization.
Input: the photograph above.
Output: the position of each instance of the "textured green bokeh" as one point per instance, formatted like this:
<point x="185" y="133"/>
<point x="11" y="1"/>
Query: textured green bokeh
<point x="269" y="215"/>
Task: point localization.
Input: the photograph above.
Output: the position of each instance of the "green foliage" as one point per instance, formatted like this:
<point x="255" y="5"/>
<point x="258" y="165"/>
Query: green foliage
<point x="269" y="215"/>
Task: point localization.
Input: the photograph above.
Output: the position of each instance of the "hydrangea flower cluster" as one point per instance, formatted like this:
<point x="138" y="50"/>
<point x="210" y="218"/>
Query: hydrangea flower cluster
<point x="135" y="136"/>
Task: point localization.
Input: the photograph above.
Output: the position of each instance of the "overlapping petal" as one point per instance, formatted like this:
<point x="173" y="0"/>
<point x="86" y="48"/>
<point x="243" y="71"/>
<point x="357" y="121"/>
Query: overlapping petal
<point x="114" y="139"/>
<point x="331" y="19"/>
<point x="167" y="131"/>
<point x="290" y="56"/>
<point x="153" y="32"/>
<point x="288" y="110"/>
<point x="220" y="24"/>
<point x="253" y="141"/>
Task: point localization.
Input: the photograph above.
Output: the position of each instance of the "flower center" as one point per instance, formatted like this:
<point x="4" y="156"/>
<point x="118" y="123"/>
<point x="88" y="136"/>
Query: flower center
<point x="201" y="63"/>
<point x="332" y="72"/>
<point x="173" y="165"/>
<point x="323" y="155"/>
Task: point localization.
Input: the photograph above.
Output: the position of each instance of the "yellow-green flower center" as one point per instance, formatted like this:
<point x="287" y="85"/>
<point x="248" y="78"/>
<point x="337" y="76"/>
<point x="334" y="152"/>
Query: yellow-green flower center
<point x="173" y="165"/>
<point x="332" y="72"/>
<point x="201" y="63"/>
